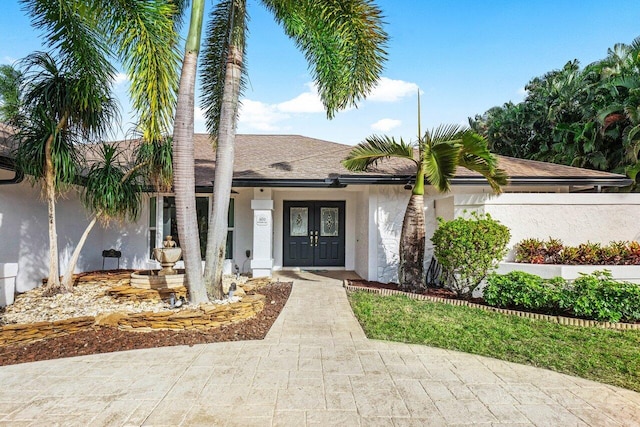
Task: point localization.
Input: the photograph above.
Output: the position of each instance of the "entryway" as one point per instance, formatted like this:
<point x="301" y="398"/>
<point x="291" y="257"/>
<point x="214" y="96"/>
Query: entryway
<point x="314" y="234"/>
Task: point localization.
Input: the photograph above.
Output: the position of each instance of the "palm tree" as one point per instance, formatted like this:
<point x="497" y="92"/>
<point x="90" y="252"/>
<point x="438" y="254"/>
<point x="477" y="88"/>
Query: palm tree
<point x="344" y="45"/>
<point x="111" y="191"/>
<point x="61" y="106"/>
<point x="436" y="156"/>
<point x="72" y="103"/>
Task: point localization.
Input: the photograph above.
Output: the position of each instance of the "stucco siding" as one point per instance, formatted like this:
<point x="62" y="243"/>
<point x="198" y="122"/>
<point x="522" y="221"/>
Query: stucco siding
<point x="24" y="233"/>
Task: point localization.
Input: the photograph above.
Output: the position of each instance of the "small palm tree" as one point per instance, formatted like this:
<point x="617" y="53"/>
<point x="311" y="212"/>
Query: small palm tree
<point x="111" y="192"/>
<point x="436" y="156"/>
<point x="75" y="104"/>
<point x="61" y="106"/>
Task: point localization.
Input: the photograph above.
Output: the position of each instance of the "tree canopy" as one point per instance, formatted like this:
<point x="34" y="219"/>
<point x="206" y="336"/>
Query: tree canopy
<point x="586" y="117"/>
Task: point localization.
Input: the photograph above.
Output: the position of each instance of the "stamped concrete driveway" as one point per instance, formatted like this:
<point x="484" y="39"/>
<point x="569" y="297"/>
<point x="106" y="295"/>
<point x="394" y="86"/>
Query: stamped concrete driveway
<point x="315" y="367"/>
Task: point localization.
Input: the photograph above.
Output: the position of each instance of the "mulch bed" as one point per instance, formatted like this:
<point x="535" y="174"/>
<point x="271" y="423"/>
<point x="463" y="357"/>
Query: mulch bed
<point x="433" y="292"/>
<point x="109" y="339"/>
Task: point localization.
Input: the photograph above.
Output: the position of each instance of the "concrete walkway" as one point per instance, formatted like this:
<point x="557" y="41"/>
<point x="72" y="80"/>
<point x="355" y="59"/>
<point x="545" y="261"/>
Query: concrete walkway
<point x="314" y="368"/>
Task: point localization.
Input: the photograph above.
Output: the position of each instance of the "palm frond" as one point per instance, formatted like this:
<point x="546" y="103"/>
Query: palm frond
<point x="439" y="162"/>
<point x="155" y="157"/>
<point x="71" y="28"/>
<point x="374" y="149"/>
<point x="227" y="27"/>
<point x="147" y="44"/>
<point x="343" y="41"/>
<point x="55" y="87"/>
<point x="443" y="134"/>
<point x="109" y="189"/>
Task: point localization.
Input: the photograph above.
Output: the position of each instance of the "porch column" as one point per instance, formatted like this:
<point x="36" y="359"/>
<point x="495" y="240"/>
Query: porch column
<point x="262" y="261"/>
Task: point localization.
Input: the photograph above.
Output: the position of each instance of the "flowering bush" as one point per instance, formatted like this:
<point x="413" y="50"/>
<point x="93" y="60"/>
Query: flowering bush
<point x="552" y="251"/>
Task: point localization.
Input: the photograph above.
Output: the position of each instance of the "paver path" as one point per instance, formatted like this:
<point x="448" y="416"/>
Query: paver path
<point x="314" y="368"/>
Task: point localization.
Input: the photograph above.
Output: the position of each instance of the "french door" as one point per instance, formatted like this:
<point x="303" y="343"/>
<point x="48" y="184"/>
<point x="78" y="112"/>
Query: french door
<point x="313" y="234"/>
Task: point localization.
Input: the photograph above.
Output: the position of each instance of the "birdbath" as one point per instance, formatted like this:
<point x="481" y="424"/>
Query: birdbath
<point x="167" y="256"/>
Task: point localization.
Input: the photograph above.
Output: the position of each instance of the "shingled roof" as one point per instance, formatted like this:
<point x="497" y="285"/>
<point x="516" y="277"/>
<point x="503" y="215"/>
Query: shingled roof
<point x="295" y="160"/>
<point x="268" y="159"/>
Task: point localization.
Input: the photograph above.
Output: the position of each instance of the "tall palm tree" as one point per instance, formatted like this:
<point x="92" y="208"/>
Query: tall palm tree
<point x="68" y="107"/>
<point x="436" y="156"/>
<point x="343" y="41"/>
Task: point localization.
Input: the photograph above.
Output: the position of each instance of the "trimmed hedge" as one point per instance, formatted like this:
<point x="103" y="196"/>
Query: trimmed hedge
<point x="593" y="296"/>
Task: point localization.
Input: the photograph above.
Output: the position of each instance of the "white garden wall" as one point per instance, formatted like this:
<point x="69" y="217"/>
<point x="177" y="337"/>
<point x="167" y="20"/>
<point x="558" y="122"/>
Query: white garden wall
<point x="572" y="217"/>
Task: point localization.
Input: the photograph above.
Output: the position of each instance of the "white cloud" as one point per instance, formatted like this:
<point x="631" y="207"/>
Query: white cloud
<point x="306" y="102"/>
<point x="385" y="125"/>
<point x="522" y="92"/>
<point x="121" y="78"/>
<point x="260" y="116"/>
<point x="9" y="60"/>
<point x="388" y="90"/>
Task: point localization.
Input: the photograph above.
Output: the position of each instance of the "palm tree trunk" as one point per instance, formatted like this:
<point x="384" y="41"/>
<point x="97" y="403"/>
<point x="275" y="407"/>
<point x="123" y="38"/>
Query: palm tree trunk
<point x="53" y="281"/>
<point x="412" y="240"/>
<point x="218" y="223"/>
<point x="183" y="163"/>
<point x="67" y="279"/>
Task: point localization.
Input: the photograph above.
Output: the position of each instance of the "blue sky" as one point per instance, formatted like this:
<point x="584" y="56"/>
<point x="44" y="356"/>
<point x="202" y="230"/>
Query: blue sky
<point x="465" y="56"/>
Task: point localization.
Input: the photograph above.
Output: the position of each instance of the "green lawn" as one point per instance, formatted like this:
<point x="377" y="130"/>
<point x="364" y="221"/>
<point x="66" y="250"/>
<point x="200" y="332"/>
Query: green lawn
<point x="603" y="355"/>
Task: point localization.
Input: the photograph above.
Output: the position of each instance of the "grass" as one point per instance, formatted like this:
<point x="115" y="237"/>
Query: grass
<point x="603" y="355"/>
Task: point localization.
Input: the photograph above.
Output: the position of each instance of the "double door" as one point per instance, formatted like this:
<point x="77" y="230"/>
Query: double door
<point x="313" y="234"/>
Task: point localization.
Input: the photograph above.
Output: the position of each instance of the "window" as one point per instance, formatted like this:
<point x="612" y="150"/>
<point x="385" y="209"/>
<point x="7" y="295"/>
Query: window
<point x="152" y="225"/>
<point x="170" y="226"/>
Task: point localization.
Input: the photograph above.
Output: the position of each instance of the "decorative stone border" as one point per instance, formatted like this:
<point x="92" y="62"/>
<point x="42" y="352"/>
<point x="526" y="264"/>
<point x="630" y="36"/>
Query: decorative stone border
<point x="207" y="316"/>
<point x="556" y="319"/>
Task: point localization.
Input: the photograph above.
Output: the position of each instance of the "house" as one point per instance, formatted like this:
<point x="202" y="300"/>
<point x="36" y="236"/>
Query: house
<point x="295" y="206"/>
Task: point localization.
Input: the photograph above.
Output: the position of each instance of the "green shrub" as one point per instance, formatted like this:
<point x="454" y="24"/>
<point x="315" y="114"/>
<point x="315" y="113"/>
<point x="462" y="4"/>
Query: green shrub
<point x="524" y="290"/>
<point x="468" y="249"/>
<point x="593" y="296"/>
<point x="598" y="296"/>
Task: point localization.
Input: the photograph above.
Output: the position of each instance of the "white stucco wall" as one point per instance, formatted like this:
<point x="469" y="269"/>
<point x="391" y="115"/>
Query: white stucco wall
<point x="572" y="217"/>
<point x="361" y="265"/>
<point x="24" y="233"/>
<point x="243" y="230"/>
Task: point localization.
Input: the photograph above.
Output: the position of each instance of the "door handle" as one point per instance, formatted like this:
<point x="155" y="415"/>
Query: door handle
<point x="316" y="239"/>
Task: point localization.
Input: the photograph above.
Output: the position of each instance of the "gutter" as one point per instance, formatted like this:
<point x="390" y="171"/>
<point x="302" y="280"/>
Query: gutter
<point x="622" y="181"/>
<point x="301" y="183"/>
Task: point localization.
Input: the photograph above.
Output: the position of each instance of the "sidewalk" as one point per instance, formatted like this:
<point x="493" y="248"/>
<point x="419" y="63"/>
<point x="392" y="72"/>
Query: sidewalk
<point x="315" y="367"/>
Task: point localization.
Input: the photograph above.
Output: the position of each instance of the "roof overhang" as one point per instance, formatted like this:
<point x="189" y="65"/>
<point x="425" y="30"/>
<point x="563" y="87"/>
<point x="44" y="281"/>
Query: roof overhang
<point x="343" y="181"/>
<point x="292" y="183"/>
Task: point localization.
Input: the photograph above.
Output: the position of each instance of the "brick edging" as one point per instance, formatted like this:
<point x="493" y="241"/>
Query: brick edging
<point x="556" y="319"/>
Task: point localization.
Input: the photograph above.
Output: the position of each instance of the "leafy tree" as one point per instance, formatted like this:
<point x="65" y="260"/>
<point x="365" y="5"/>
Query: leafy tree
<point x="436" y="155"/>
<point x="586" y="117"/>
<point x="343" y="42"/>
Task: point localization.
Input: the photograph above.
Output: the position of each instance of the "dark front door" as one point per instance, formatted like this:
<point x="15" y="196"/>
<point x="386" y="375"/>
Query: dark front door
<point x="313" y="234"/>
